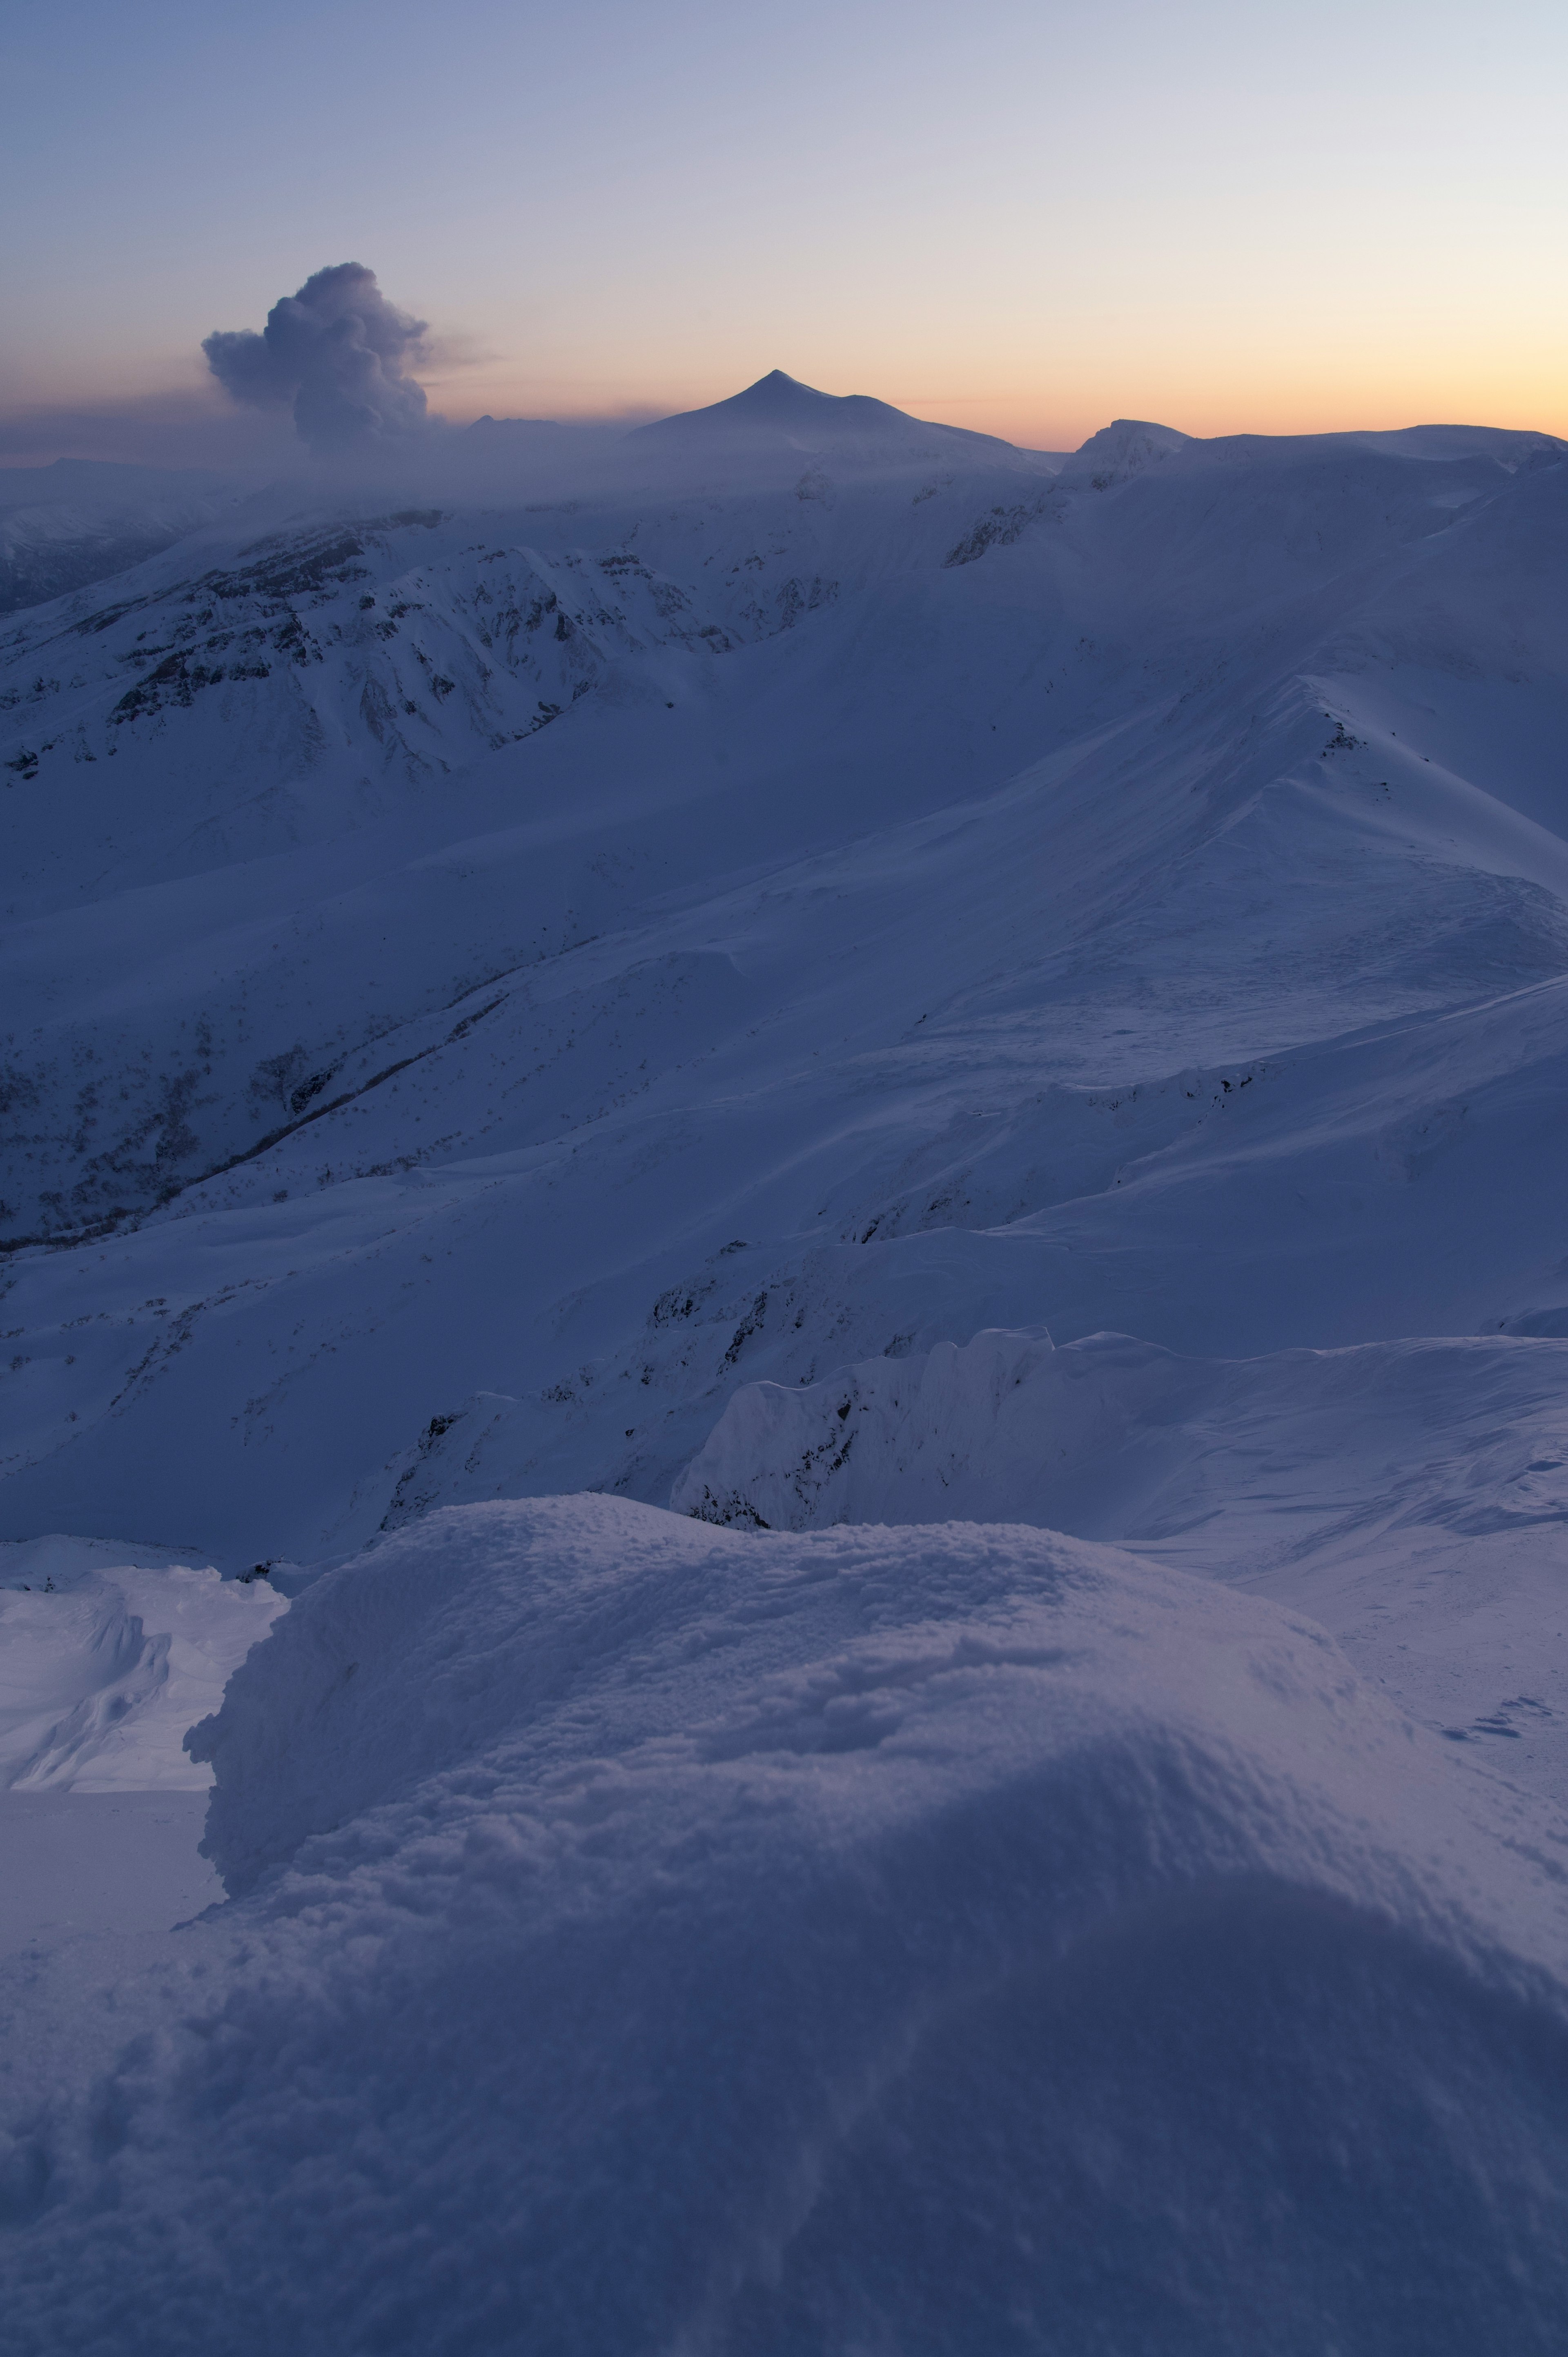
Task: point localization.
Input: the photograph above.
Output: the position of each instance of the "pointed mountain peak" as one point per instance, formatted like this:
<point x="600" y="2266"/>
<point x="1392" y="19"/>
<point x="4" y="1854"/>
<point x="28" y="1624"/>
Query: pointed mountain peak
<point x="781" y="411"/>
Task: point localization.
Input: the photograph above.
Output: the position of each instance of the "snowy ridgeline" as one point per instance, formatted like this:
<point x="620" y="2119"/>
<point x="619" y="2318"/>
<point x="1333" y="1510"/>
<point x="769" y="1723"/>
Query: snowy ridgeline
<point x="651" y="1937"/>
<point x="1112" y="1433"/>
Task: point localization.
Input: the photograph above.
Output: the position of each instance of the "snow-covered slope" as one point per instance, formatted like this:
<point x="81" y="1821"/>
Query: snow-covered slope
<point x="660" y="1938"/>
<point x="1411" y="1496"/>
<point x="843" y="918"/>
<point x="107" y="1654"/>
<point x="841" y="982"/>
<point x="592" y="957"/>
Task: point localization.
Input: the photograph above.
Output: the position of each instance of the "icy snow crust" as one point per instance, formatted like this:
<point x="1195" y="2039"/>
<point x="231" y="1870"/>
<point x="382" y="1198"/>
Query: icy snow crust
<point x="873" y="984"/>
<point x="662" y="1938"/>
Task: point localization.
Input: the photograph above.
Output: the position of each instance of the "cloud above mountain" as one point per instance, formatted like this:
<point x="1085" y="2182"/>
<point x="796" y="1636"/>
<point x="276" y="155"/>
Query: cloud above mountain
<point x="338" y="353"/>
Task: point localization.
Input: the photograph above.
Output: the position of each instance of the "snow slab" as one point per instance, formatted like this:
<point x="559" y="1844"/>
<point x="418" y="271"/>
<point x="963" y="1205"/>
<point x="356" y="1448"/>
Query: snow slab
<point x="655" y="1937"/>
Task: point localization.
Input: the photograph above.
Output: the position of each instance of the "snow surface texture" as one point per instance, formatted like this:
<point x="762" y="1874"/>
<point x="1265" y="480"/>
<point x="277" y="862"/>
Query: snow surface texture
<point x="103" y="1874"/>
<point x="662" y="1938"/>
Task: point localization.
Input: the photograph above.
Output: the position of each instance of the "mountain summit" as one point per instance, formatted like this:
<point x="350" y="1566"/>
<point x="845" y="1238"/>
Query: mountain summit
<point x="778" y="411"/>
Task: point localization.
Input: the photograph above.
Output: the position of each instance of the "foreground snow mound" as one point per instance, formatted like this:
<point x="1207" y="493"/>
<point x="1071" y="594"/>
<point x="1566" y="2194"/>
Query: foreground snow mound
<point x="662" y="1938"/>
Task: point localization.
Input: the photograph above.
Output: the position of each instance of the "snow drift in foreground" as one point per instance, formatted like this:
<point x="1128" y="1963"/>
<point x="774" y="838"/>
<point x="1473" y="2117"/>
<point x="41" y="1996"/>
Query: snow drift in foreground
<point x="663" y="1938"/>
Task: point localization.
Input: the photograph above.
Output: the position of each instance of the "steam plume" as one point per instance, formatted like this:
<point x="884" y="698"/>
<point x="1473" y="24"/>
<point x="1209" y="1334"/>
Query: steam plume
<point x="336" y="350"/>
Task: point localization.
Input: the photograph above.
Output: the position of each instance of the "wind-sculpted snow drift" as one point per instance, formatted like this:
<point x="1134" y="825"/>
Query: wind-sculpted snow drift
<point x="658" y="1938"/>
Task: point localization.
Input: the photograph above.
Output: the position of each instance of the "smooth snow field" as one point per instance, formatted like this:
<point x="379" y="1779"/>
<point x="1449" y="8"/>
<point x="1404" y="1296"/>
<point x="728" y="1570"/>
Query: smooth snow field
<point x="785" y="1315"/>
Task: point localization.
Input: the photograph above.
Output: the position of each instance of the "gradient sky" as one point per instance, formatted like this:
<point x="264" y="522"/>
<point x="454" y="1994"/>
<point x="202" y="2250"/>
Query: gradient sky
<point x="1023" y="217"/>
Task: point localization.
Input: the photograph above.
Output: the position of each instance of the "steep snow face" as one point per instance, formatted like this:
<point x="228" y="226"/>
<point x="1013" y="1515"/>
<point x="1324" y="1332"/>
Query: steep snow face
<point x="665" y="1937"/>
<point x="1113" y="1431"/>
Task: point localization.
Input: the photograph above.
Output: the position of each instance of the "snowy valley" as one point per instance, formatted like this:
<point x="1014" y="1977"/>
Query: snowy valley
<point x="844" y="1150"/>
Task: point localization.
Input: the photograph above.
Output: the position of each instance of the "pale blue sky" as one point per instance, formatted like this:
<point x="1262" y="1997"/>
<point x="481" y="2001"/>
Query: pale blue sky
<point x="1025" y="217"/>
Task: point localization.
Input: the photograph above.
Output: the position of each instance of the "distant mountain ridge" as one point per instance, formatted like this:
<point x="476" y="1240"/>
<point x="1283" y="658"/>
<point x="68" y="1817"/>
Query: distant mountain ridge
<point x="72" y="480"/>
<point x="64" y="526"/>
<point x="76" y="522"/>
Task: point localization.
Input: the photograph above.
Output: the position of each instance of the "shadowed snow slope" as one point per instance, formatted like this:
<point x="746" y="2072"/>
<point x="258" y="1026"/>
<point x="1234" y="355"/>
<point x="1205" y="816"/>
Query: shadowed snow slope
<point x="668" y="1939"/>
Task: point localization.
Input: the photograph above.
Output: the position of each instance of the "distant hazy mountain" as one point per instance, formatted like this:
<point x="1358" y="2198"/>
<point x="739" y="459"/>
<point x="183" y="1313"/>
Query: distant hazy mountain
<point x="102" y="482"/>
<point x="79" y="521"/>
<point x="493" y="433"/>
<point x="780" y="412"/>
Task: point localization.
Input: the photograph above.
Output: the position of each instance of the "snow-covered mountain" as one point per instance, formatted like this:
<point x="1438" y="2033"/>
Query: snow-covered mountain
<point x="841" y="977"/>
<point x="958" y="866"/>
<point x="777" y="415"/>
<point x="484" y="984"/>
